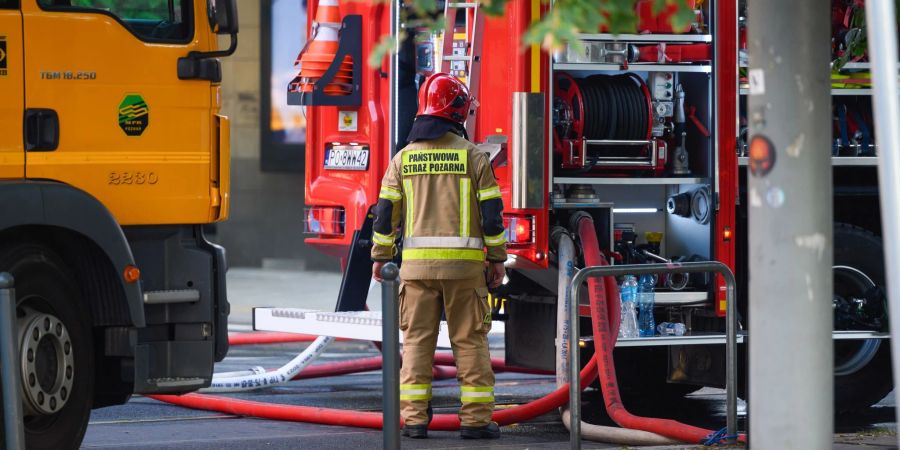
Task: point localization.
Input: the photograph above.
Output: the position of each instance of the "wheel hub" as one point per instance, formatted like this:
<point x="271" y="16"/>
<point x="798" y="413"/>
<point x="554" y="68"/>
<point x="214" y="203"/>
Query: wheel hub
<point x="850" y="284"/>
<point x="48" y="362"/>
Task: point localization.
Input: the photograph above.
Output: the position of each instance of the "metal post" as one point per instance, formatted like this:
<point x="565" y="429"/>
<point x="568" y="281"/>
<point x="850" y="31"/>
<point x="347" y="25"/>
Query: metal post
<point x="13" y="428"/>
<point x="390" y="338"/>
<point x="790" y="224"/>
<point x="574" y="363"/>
<point x="641" y="269"/>
<point x="882" y="33"/>
<point x="394" y="88"/>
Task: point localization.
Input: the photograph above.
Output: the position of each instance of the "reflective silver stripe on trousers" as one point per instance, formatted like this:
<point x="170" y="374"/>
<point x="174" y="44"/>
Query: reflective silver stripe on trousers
<point x="442" y="242"/>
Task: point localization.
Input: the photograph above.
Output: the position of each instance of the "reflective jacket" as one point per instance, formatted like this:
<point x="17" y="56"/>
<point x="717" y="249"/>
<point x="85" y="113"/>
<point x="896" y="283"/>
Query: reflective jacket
<point x="442" y="196"/>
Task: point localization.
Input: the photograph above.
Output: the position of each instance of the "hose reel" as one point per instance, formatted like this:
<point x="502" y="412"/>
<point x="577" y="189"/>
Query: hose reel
<point x="605" y="122"/>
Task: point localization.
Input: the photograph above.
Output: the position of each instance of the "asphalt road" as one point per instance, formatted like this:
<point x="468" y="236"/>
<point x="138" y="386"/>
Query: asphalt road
<point x="148" y="424"/>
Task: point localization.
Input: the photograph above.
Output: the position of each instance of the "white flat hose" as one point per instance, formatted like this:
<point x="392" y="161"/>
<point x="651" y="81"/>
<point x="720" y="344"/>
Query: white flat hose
<point x="616" y="435"/>
<point x="613" y="435"/>
<point x="566" y="259"/>
<point x="258" y="378"/>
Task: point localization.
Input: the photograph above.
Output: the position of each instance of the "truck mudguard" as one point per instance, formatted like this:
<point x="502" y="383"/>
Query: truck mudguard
<point x="47" y="203"/>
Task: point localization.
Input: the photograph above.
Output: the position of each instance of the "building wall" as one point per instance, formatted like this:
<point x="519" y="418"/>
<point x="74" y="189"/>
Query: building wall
<point x="266" y="221"/>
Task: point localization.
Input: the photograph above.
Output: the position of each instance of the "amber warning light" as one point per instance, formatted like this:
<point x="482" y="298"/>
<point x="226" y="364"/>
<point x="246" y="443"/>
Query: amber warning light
<point x="518" y="229"/>
<point x="131" y="274"/>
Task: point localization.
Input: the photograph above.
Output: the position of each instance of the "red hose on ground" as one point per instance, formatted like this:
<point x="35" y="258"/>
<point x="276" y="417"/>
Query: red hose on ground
<point x="604" y="341"/>
<point x="605" y="317"/>
<point x="442" y="361"/>
<point x="269" y="337"/>
<point x="329" y="416"/>
<point x="340" y="368"/>
<point x="334" y="369"/>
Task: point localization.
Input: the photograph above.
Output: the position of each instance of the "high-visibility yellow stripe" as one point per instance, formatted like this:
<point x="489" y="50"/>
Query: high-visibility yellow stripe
<point x="489" y="193"/>
<point x="464" y="184"/>
<point x="476" y="394"/>
<point x="535" y="50"/>
<point x="443" y="253"/>
<point x="390" y="193"/>
<point x="407" y="186"/>
<point x="415" y="392"/>
<point x="383" y="239"/>
<point x="476" y="399"/>
<point x="476" y="389"/>
<point x="493" y="241"/>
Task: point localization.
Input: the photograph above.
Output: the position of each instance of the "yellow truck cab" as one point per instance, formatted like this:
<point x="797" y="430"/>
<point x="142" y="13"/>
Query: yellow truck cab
<point x="112" y="159"/>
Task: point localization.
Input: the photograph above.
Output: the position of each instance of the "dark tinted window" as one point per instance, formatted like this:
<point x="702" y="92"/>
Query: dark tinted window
<point x="150" y="20"/>
<point x="9" y="4"/>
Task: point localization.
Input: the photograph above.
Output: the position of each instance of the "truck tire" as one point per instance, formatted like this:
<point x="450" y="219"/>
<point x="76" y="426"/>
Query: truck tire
<point x="54" y="326"/>
<point x="863" y="374"/>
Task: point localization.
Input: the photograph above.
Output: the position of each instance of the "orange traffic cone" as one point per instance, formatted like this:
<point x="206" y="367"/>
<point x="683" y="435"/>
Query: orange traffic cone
<point x="328" y="14"/>
<point x="321" y="50"/>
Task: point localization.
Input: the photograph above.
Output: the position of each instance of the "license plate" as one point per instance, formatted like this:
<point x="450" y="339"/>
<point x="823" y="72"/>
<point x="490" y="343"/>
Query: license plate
<point x="347" y="158"/>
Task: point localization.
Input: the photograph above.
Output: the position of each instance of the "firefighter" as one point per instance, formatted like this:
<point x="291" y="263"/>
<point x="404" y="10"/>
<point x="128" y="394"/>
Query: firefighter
<point x="442" y="190"/>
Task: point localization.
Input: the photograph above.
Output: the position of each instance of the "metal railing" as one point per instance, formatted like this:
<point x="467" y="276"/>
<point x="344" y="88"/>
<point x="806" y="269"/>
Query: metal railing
<point x="644" y="269"/>
<point x="390" y="350"/>
<point x="10" y="378"/>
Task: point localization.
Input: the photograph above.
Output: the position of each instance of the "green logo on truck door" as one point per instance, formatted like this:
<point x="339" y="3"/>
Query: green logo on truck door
<point x="134" y="115"/>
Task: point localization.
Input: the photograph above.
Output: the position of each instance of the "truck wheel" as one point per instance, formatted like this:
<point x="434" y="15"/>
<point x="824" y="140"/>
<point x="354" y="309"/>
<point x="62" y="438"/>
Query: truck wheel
<point x="862" y="368"/>
<point x="55" y="345"/>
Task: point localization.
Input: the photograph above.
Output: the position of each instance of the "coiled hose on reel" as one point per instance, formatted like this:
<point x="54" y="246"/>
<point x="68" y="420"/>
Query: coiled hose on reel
<point x="602" y="107"/>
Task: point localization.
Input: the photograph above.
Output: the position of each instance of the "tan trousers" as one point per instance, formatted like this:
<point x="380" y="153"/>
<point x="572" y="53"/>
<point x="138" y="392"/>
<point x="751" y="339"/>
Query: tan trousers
<point x="468" y="314"/>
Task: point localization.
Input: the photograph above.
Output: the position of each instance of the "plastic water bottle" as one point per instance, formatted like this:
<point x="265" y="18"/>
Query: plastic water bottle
<point x="671" y="329"/>
<point x="645" y="298"/>
<point x="628" y="327"/>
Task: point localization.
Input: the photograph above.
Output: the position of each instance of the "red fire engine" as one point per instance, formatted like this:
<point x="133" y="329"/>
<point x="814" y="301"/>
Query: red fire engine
<point x="644" y="132"/>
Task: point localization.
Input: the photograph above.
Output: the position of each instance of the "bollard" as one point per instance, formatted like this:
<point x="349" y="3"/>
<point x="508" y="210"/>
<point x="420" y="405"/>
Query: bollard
<point x="390" y="338"/>
<point x="640" y="269"/>
<point x="13" y="429"/>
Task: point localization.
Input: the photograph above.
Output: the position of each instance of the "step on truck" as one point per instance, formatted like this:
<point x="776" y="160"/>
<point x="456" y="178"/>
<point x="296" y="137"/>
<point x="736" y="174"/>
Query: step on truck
<point x="113" y="161"/>
<point x="646" y="132"/>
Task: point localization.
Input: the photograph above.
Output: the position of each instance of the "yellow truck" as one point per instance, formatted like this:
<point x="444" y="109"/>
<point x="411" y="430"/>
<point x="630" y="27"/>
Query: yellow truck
<point x="113" y="156"/>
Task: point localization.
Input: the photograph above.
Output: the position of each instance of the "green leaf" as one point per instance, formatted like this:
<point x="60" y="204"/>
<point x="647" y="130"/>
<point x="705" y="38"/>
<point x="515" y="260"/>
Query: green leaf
<point x="682" y="18"/>
<point x="494" y="7"/>
<point x="558" y="27"/>
<point x="658" y="6"/>
<point x="384" y="48"/>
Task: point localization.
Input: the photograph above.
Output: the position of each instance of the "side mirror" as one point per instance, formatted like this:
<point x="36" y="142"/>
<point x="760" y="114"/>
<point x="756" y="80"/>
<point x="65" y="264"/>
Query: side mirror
<point x="223" y="16"/>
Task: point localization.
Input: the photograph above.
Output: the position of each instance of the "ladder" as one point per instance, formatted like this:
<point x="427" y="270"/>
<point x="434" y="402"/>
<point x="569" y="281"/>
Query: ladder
<point x="469" y="54"/>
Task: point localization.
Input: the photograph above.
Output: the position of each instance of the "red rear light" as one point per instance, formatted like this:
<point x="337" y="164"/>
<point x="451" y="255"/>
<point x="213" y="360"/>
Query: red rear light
<point x="324" y="221"/>
<point x="518" y="229"/>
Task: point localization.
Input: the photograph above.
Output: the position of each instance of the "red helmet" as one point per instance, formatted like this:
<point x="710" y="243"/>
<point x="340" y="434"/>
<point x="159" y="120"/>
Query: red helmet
<point x="443" y="95"/>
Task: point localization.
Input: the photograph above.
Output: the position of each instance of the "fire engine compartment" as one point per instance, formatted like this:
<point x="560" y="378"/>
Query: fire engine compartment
<point x="656" y="178"/>
<point x="641" y="131"/>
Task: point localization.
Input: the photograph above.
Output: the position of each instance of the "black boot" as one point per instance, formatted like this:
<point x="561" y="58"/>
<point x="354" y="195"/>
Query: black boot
<point x="415" y="431"/>
<point x="419" y="431"/>
<point x="489" y="431"/>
